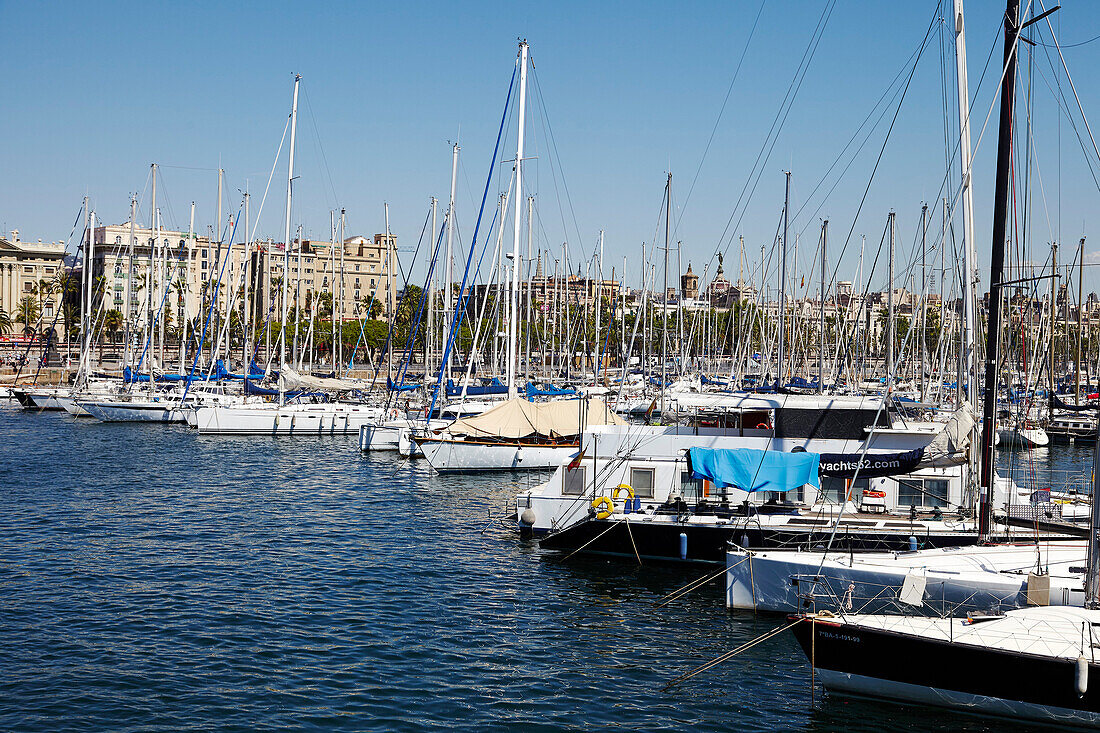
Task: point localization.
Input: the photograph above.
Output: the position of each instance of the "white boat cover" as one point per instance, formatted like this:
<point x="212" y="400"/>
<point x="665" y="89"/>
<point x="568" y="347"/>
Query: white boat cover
<point x="518" y="418"/>
<point x="291" y="380"/>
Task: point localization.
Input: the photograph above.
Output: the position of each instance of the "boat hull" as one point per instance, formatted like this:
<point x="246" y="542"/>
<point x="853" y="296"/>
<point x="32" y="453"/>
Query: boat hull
<point x="462" y="455"/>
<point x="707" y="541"/>
<point x="293" y="420"/>
<point x="855" y="660"/>
<point x="163" y="412"/>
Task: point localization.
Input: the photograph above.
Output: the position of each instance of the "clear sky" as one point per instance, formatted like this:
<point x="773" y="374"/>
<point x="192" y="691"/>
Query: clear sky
<point x="95" y="92"/>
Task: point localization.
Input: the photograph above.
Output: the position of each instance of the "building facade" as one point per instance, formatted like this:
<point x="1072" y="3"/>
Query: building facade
<point x="29" y="270"/>
<point x="190" y="271"/>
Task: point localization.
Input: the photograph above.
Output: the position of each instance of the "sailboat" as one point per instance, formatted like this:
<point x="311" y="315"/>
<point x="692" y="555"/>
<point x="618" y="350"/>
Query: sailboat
<point x="1030" y="663"/>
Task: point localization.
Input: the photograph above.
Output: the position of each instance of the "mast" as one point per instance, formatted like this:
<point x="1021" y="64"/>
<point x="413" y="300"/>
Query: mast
<point x="1080" y="313"/>
<point x="890" y="313"/>
<point x="390" y="293"/>
<point x="599" y="299"/>
<point x="218" y="234"/>
<point x="1053" y="318"/>
<point x="149" y="281"/>
<point x="183" y="315"/>
<point x="664" y="298"/>
<point x="448" y="303"/>
<point x="513" y="304"/>
<point x="821" y="324"/>
<point x="997" y="258"/>
<point x="86" y="319"/>
<point x="923" y="299"/>
<point x="781" y="356"/>
<point x="527" y="320"/>
<point x="249" y="290"/>
<point x="430" y="330"/>
<point x="286" y="236"/>
<point x="129" y="278"/>
<point x="969" y="358"/>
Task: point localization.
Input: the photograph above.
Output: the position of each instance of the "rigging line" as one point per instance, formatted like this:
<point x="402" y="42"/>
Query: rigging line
<point x="321" y="148"/>
<point x="1072" y="86"/>
<point x="1065" y="45"/>
<point x="554" y="151"/>
<point x="882" y="150"/>
<point x="885" y="108"/>
<point x="799" y="73"/>
<point x="721" y="112"/>
<point x="274" y="164"/>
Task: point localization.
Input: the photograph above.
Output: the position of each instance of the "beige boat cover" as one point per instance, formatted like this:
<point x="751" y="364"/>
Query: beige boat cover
<point x="949" y="448"/>
<point x="518" y="418"/>
<point x="291" y="380"/>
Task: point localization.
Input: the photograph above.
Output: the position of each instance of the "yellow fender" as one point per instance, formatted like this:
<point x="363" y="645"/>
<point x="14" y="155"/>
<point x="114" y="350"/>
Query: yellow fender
<point x="606" y="511"/>
<point x="622" y="487"/>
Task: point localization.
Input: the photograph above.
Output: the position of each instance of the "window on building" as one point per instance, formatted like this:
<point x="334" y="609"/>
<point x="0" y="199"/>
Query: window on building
<point x="356" y="282"/>
<point x="372" y="268"/>
<point x="118" y="240"/>
<point x="929" y="492"/>
<point x="47" y="310"/>
<point x="372" y="282"/>
<point x="28" y="268"/>
<point x="28" y="287"/>
<point x="573" y="482"/>
<point x="833" y="488"/>
<point x="357" y="268"/>
<point x="357" y="295"/>
<point x="641" y="480"/>
<point x="50" y="270"/>
<point x="205" y="253"/>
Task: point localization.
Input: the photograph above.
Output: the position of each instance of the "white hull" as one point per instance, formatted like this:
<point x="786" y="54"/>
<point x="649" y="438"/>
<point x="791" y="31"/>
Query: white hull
<point x="788" y="581"/>
<point x="48" y="400"/>
<point x="167" y="411"/>
<point x="1024" y="437"/>
<point x="323" y="419"/>
<point x="389" y="435"/>
<point x="461" y="455"/>
<point x="70" y="406"/>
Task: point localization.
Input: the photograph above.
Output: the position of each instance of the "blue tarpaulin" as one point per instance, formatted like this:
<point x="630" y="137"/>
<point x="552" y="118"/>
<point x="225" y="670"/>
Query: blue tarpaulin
<point x="750" y="470"/>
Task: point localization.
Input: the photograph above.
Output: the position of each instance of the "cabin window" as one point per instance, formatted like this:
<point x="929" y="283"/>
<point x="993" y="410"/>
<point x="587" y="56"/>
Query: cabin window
<point x="573" y="482"/>
<point x="833" y="488"/>
<point x="641" y="480"/>
<point x="690" y="488"/>
<point x="922" y="492"/>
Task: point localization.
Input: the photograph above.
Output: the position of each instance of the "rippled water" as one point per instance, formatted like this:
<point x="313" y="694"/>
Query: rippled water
<point x="155" y="579"/>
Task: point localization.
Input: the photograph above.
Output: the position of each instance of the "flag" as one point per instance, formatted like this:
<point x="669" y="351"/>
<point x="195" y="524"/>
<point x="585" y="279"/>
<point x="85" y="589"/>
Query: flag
<point x="652" y="407"/>
<point x="576" y="462"/>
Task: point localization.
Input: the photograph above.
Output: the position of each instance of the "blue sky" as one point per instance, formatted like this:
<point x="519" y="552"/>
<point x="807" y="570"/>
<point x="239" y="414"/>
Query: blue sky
<point x="95" y="92"/>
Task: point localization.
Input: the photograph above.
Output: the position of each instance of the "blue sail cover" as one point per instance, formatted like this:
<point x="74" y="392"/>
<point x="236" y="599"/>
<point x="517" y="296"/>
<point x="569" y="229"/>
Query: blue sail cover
<point x="751" y="470"/>
<point x="218" y="373"/>
<point x="533" y="390"/>
<point x="494" y="387"/>
<point x="400" y="387"/>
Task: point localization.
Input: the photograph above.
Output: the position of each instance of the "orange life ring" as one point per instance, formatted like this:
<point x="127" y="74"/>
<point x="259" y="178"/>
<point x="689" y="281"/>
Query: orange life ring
<point x="763" y="426"/>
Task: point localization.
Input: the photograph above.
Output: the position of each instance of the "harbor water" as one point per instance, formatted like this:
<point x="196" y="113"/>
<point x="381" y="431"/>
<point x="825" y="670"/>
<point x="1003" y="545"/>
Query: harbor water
<point x="156" y="579"/>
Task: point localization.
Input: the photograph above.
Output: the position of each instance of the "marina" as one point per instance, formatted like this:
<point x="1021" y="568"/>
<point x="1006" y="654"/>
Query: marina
<point x="404" y="435"/>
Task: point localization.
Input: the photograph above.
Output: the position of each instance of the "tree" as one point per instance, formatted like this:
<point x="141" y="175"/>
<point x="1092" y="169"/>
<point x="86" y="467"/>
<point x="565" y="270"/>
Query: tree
<point x="5" y="323"/>
<point x="28" y="314"/>
<point x="112" y="323"/>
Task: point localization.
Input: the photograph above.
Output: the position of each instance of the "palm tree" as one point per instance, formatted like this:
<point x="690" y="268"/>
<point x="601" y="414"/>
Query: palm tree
<point x="27" y="314"/>
<point x="5" y="323"/>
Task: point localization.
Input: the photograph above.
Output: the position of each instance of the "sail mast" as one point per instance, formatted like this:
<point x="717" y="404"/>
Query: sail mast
<point x="997" y="258"/>
<point x="513" y="301"/>
<point x="286" y="237"/>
